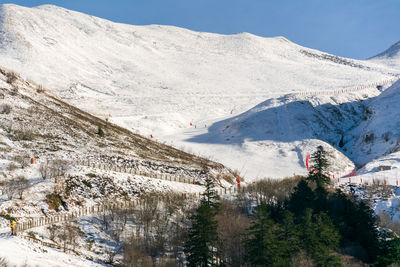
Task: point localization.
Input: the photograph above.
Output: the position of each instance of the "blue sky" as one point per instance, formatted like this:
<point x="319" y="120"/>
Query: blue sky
<point x="350" y="28"/>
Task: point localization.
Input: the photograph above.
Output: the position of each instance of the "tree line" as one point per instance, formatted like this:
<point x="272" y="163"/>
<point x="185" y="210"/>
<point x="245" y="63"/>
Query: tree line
<point x="313" y="226"/>
<point x="301" y="221"/>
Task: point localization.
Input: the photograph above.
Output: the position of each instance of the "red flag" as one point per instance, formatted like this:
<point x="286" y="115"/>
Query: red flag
<point x="307" y="159"/>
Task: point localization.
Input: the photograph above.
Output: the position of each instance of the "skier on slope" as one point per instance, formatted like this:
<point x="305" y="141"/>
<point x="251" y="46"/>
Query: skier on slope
<point x="12" y="226"/>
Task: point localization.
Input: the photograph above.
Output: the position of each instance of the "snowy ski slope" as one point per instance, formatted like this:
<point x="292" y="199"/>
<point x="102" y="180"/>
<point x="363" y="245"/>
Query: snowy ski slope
<point x="182" y="86"/>
<point x="389" y="57"/>
<point x="258" y="105"/>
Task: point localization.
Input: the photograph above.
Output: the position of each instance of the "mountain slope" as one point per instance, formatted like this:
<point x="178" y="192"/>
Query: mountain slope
<point x="19" y="252"/>
<point x="379" y="134"/>
<point x="168" y="72"/>
<point x="389" y="57"/>
<point x="37" y="124"/>
<point x="282" y="131"/>
<point x="174" y="83"/>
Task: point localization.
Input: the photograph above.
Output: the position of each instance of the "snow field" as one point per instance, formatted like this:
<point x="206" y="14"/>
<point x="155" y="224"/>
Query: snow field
<point x="257" y="105"/>
<point x="19" y="251"/>
<point x="158" y="79"/>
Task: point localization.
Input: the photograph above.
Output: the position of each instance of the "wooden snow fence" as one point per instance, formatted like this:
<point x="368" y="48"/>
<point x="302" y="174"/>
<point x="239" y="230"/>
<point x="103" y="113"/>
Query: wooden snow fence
<point x="352" y="89"/>
<point x="367" y="180"/>
<point x="97" y="209"/>
<point x="102" y="208"/>
<point x="83" y="211"/>
<point x="135" y="171"/>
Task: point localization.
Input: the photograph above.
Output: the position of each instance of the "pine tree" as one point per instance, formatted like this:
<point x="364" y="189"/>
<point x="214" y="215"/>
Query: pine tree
<point x="321" y="200"/>
<point x="302" y="198"/>
<point x="291" y="233"/>
<point x="319" y="238"/>
<point x="390" y="252"/>
<point x="318" y="167"/>
<point x="210" y="196"/>
<point x="202" y="238"/>
<point x="267" y="244"/>
<point x="365" y="230"/>
<point x="357" y="225"/>
<point x="320" y="162"/>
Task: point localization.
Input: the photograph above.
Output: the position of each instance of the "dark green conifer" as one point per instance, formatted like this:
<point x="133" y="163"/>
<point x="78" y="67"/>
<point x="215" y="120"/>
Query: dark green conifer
<point x="202" y="238"/>
<point x="210" y="196"/>
<point x="318" y="168"/>
<point x="319" y="238"/>
<point x="357" y="225"/>
<point x="390" y="252"/>
<point x="302" y="198"/>
<point x="268" y="243"/>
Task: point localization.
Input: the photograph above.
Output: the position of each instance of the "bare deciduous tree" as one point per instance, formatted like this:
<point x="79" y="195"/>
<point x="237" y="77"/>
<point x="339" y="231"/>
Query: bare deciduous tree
<point x="134" y="255"/>
<point x="21" y="184"/>
<point x="386" y="222"/>
<point x="69" y="235"/>
<point x="160" y="230"/>
<point x="270" y="190"/>
<point x="53" y="168"/>
<point x="23" y="160"/>
<point x="232" y="226"/>
<point x="10" y="188"/>
<point x="53" y="230"/>
<point x="146" y="211"/>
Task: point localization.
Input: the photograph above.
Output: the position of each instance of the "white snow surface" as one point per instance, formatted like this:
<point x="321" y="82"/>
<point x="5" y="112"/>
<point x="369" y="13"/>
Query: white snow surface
<point x="19" y="252"/>
<point x="238" y="91"/>
<point x="389" y="57"/>
<point x="379" y="135"/>
<point x="160" y="79"/>
<point x="391" y="206"/>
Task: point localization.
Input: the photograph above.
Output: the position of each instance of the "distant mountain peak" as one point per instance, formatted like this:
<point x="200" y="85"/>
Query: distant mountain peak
<point x="391" y="52"/>
<point x="157" y="79"/>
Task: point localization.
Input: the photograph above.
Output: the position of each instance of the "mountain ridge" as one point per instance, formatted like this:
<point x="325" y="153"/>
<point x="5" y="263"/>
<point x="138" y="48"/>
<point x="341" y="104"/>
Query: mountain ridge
<point x="390" y="57"/>
<point x="169" y="82"/>
<point x="392" y="51"/>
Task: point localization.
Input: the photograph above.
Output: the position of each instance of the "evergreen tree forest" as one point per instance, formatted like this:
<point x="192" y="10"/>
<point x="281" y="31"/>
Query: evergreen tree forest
<point x="299" y="221"/>
<point x="202" y="237"/>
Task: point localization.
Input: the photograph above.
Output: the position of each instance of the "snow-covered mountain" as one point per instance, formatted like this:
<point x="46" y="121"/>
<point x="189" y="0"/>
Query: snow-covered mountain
<point x="389" y="57"/>
<point x="198" y="91"/>
<point x="45" y="142"/>
<point x="34" y="123"/>
<point x="379" y="133"/>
